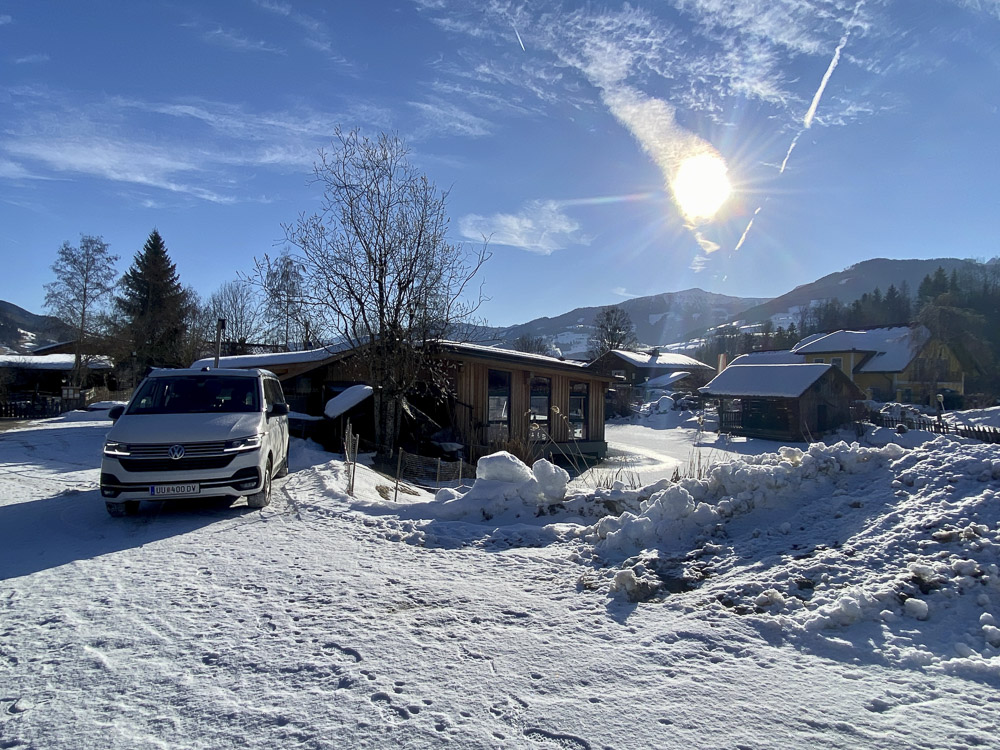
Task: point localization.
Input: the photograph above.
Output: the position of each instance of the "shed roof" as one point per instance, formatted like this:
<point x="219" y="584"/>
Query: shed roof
<point x="51" y="362"/>
<point x="267" y="361"/>
<point x="661" y="360"/>
<point x="780" y="357"/>
<point x="775" y="380"/>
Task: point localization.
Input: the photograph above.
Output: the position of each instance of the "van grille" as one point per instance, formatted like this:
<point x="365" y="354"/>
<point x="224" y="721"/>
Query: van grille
<point x="191" y="450"/>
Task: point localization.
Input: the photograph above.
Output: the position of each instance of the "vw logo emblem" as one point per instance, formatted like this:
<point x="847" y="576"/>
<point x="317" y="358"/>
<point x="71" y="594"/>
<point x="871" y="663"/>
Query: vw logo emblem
<point x="176" y="451"/>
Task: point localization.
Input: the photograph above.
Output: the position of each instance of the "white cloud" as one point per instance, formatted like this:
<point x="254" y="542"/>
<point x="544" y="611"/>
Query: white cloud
<point x="235" y="40"/>
<point x="11" y="170"/>
<point x="116" y="160"/>
<point x="4" y="20"/>
<point x="30" y="59"/>
<point x="317" y="34"/>
<point x="540" y="227"/>
<point x="447" y="118"/>
<point x="620" y="291"/>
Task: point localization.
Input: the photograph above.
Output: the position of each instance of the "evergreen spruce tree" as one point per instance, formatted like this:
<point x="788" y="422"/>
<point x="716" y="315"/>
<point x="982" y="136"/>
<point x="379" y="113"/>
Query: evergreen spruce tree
<point x="154" y="308"/>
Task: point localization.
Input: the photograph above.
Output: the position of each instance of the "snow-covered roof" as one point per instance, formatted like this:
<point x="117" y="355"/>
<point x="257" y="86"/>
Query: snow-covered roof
<point x="265" y="361"/>
<point x="784" y="381"/>
<point x="661" y="360"/>
<point x="347" y="399"/>
<point x="52" y="362"/>
<point x="493" y="351"/>
<point x="892" y="349"/>
<point x="662" y="381"/>
<point x="780" y="357"/>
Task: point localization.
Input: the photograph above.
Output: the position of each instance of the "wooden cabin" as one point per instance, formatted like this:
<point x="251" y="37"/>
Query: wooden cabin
<point x="796" y="402"/>
<point x="490" y="400"/>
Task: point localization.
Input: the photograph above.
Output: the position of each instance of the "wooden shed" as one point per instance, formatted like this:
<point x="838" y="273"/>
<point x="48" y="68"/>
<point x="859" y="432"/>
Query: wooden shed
<point x="783" y="401"/>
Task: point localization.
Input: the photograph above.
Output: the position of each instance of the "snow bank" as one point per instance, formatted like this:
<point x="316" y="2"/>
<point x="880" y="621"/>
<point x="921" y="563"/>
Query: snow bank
<point x="896" y="549"/>
<point x="506" y="492"/>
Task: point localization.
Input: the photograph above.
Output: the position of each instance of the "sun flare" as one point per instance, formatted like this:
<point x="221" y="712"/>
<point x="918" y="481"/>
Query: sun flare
<point x="701" y="186"/>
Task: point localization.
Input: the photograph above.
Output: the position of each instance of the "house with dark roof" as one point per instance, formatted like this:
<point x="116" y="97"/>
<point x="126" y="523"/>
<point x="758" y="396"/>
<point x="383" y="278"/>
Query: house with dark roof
<point x="783" y="401"/>
<point x="635" y="369"/>
<point x="890" y="364"/>
<point x="49" y="373"/>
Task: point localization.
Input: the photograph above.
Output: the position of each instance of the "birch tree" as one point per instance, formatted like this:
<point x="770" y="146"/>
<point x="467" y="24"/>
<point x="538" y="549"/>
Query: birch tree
<point x="85" y="277"/>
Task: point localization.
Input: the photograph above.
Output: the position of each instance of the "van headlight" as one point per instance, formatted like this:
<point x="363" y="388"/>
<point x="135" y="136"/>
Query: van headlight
<point x="116" y="449"/>
<point x="241" y="445"/>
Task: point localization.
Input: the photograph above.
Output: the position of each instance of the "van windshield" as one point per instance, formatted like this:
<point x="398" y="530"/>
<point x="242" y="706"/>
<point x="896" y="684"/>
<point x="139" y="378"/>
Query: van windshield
<point x="195" y="394"/>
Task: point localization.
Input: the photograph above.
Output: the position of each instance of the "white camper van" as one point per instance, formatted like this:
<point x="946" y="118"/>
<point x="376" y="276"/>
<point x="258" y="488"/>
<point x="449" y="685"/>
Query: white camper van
<point x="196" y="433"/>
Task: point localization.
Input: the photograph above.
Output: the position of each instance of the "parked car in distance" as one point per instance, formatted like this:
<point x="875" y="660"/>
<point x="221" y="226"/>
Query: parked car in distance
<point x="196" y="434"/>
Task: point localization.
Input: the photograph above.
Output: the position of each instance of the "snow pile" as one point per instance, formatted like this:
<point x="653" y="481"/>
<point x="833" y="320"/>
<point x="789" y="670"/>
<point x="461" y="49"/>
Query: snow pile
<point x="902" y="412"/>
<point x="902" y="546"/>
<point x="347" y="400"/>
<point x="506" y="491"/>
<point x="989" y="417"/>
<point x="673" y="517"/>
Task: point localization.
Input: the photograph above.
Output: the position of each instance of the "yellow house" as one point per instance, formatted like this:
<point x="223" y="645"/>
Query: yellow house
<point x="890" y="364"/>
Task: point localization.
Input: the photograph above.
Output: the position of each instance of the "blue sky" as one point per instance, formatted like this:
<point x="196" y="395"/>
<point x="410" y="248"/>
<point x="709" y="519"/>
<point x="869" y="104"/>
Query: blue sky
<point x="559" y="129"/>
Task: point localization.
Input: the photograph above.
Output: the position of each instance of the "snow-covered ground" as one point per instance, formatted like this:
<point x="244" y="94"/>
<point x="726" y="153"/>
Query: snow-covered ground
<point x="839" y="596"/>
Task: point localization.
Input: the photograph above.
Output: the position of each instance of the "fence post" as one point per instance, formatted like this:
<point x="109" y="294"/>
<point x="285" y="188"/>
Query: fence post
<point x="399" y="468"/>
<point x="354" y="464"/>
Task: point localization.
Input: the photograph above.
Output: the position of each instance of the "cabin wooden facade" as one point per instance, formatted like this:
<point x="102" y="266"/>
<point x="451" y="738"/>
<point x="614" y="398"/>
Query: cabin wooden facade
<point x="502" y="396"/>
<point x="796" y="402"/>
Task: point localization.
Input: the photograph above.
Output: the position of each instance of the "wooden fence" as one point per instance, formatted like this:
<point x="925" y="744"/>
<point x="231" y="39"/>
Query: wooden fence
<point x="731" y="421"/>
<point x="976" y="432"/>
<point x="36" y="409"/>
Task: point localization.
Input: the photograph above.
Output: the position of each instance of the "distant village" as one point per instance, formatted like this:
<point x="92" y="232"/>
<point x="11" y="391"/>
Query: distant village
<point x="469" y="394"/>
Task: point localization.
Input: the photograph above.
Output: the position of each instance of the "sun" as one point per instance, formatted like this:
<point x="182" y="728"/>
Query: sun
<point x="700" y="186"/>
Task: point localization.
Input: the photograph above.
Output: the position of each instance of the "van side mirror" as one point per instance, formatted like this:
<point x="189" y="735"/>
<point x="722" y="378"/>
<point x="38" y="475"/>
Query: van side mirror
<point x="278" y="410"/>
<point x="115" y="412"/>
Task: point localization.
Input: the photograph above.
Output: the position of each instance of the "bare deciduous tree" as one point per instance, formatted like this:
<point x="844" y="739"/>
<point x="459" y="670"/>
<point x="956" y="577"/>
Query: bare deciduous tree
<point x="377" y="266"/>
<point x="241" y="306"/>
<point x="85" y="277"/>
<point x="613" y="330"/>
<point x="531" y="344"/>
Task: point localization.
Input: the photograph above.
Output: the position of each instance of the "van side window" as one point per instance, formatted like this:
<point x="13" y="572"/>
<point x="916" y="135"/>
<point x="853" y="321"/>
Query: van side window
<point x="272" y="393"/>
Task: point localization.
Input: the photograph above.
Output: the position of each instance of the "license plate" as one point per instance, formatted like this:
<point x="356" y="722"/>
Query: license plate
<point x="174" y="490"/>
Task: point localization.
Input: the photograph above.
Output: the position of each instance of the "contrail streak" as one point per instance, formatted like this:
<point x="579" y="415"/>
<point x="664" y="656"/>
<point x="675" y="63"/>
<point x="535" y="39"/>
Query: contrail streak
<point x="518" y="38"/>
<point x="807" y="121"/>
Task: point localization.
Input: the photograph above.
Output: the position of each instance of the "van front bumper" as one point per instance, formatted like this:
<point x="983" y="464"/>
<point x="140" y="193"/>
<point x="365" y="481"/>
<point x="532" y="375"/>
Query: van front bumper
<point x="240" y="482"/>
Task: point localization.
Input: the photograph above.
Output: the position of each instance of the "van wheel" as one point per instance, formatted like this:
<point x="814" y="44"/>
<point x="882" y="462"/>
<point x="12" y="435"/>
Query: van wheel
<point x="283" y="469"/>
<point x="263" y="498"/>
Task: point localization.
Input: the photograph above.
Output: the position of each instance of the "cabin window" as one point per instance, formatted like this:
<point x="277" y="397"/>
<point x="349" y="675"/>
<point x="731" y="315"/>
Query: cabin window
<point x="618" y="373"/>
<point x="499" y="406"/>
<point x="541" y="401"/>
<point x="818" y="361"/>
<point x="579" y="407"/>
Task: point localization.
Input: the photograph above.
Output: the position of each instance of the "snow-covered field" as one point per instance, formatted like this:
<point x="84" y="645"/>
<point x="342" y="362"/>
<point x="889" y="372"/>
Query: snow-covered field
<point x="841" y="596"/>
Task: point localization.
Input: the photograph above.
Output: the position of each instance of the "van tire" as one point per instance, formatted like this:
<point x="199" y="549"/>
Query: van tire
<point x="263" y="498"/>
